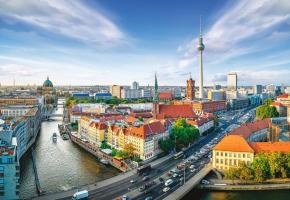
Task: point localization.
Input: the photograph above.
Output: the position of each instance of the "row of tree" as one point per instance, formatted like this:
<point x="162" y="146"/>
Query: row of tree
<point x="266" y="110"/>
<point x="182" y="134"/>
<point x="113" y="101"/>
<point x="264" y="166"/>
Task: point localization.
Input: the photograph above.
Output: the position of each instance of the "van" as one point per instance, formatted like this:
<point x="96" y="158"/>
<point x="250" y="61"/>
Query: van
<point x="168" y="182"/>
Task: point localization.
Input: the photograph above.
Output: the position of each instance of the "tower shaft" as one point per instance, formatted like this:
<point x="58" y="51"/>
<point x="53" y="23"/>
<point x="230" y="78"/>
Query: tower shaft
<point x="201" y="93"/>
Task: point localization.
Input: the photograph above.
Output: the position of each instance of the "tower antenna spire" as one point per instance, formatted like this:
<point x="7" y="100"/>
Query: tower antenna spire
<point x="200" y="25"/>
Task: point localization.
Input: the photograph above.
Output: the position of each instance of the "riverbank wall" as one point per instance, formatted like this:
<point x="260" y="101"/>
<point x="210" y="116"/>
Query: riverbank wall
<point x="277" y="186"/>
<point x="119" y="164"/>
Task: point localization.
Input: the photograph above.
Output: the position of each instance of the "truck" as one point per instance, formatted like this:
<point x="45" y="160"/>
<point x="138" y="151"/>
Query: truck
<point x="84" y="194"/>
<point x="144" y="169"/>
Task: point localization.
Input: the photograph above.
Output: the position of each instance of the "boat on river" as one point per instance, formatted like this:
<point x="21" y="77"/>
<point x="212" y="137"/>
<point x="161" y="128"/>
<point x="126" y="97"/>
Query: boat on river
<point x="104" y="161"/>
<point x="65" y="136"/>
<point x="54" y="137"/>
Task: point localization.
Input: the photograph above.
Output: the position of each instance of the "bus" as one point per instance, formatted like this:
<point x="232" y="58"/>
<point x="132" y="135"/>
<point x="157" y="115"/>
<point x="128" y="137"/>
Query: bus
<point x="143" y="169"/>
<point x="178" y="155"/>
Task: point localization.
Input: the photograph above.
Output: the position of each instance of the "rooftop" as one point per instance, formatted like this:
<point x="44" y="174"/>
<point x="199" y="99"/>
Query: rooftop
<point x="269" y="147"/>
<point x="233" y="143"/>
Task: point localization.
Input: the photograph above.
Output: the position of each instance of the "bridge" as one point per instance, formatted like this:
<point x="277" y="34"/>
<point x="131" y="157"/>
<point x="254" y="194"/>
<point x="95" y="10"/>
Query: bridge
<point x="190" y="184"/>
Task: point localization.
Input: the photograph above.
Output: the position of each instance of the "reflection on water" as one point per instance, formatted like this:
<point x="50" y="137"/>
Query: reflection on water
<point x="61" y="166"/>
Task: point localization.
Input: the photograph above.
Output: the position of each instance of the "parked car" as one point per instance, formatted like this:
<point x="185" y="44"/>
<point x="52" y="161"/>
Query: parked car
<point x="174" y="175"/>
<point x="168" y="182"/>
<point x="132" y="181"/>
<point x="205" y="182"/>
<point x="149" y="198"/>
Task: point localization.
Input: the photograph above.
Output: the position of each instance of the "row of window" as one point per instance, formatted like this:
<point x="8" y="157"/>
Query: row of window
<point x="235" y="155"/>
<point x="231" y="162"/>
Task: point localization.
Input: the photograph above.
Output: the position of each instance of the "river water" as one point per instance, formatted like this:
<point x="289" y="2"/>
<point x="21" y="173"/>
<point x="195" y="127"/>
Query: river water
<point x="244" y="195"/>
<point x="61" y="166"/>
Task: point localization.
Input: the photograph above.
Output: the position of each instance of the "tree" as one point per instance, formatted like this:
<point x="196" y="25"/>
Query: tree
<point x="184" y="133"/>
<point x="261" y="167"/>
<point x="232" y="173"/>
<point x="104" y="145"/>
<point x="266" y="110"/>
<point x="166" y="145"/>
<point x="246" y="173"/>
<point x="129" y="149"/>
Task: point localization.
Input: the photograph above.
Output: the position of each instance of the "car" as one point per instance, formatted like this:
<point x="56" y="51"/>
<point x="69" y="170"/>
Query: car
<point x="142" y="188"/>
<point x="145" y="178"/>
<point x="193" y="170"/>
<point x="149" y="198"/>
<point x="168" y="182"/>
<point x="174" y="175"/>
<point x="205" y="182"/>
<point x="132" y="181"/>
<point x="191" y="167"/>
<point x="161" y="179"/>
<point x="166" y="189"/>
<point x="125" y="197"/>
<point x="181" y="179"/>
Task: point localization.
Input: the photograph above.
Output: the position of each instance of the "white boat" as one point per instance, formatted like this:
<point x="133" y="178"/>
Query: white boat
<point x="104" y="161"/>
<point x="54" y="137"/>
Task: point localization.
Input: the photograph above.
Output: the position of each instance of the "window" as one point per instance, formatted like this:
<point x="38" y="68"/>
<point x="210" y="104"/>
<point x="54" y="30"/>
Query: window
<point x="226" y="161"/>
<point x="217" y="161"/>
<point x="235" y="155"/>
<point x="1" y="174"/>
<point x="244" y="155"/>
<point x="222" y="161"/>
<point x="235" y="162"/>
<point x="226" y="154"/>
<point x="230" y="161"/>
<point x="222" y="153"/>
<point x="239" y="155"/>
<point x="248" y="155"/>
<point x="230" y="154"/>
<point x="217" y="153"/>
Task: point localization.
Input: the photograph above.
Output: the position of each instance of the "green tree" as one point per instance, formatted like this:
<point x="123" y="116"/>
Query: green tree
<point x="184" y="133"/>
<point x="166" y="145"/>
<point x="129" y="149"/>
<point x="246" y="173"/>
<point x="266" y="110"/>
<point x="261" y="167"/>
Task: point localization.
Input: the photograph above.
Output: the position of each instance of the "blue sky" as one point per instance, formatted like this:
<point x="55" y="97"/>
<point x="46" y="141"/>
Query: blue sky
<point x="117" y="42"/>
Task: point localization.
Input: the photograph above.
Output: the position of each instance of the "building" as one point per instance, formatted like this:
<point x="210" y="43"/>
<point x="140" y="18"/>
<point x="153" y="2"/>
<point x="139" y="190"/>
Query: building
<point x="127" y="93"/>
<point x="200" y="48"/>
<point x="81" y="95"/>
<point x="115" y="90"/>
<point x="173" y="111"/>
<point x="146" y="93"/>
<point x="165" y="96"/>
<point x="18" y="100"/>
<point x="232" y="94"/>
<point x="236" y="104"/>
<point x="49" y="93"/>
<point x="190" y="89"/>
<point x="155" y="95"/>
<point x="217" y="87"/>
<point x="258" y="89"/>
<point x="216" y="95"/>
<point x="232" y="81"/>
<point x="232" y="150"/>
<point x="204" y="105"/>
<point x="135" y="85"/>
<point x="104" y="96"/>
<point x="10" y="172"/>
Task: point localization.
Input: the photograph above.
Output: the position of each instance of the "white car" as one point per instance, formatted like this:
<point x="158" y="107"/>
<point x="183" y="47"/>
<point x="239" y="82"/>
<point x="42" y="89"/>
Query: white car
<point x="166" y="189"/>
<point x="174" y="175"/>
<point x="191" y="166"/>
<point x="168" y="182"/>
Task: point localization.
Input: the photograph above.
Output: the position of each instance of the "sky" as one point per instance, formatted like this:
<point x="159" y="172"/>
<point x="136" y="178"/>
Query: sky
<point x="103" y="42"/>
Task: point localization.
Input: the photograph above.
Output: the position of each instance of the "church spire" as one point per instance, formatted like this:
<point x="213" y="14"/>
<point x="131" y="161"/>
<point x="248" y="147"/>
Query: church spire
<point x="155" y="97"/>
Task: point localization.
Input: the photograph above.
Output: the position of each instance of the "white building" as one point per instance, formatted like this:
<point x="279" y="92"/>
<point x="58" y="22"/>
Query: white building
<point x="135" y="86"/>
<point x="146" y="93"/>
<point x="130" y="93"/>
<point x="232" y="81"/>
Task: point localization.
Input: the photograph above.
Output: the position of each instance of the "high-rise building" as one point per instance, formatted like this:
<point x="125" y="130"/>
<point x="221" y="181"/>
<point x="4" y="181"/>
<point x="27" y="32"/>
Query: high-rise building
<point x="257" y="89"/>
<point x="190" y="93"/>
<point x="216" y="95"/>
<point x="115" y="90"/>
<point x="135" y="85"/>
<point x="200" y="48"/>
<point x="232" y="81"/>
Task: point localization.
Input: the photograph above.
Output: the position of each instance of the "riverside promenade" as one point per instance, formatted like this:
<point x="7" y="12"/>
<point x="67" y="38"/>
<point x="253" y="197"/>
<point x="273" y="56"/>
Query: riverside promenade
<point x="101" y="184"/>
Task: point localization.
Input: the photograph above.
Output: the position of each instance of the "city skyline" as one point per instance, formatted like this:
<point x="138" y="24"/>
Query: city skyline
<point x="103" y="43"/>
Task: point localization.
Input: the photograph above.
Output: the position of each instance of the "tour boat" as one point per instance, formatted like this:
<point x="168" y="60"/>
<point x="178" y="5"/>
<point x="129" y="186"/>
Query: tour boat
<point x="104" y="161"/>
<point x="54" y="137"/>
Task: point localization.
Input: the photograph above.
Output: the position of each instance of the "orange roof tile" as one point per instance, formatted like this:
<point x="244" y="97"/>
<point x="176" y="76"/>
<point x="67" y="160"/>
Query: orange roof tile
<point x="276" y="103"/>
<point x="283" y="96"/>
<point x="233" y="143"/>
<point x="269" y="147"/>
<point x="175" y="111"/>
<point x="165" y="95"/>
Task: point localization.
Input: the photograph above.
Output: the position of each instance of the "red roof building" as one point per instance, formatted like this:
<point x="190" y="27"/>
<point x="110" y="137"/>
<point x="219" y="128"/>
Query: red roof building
<point x="165" y="96"/>
<point x="173" y="111"/>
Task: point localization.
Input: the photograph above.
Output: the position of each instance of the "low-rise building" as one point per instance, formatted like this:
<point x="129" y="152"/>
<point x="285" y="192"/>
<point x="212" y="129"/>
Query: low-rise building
<point x="216" y="95"/>
<point x="104" y="96"/>
<point x="127" y="93"/>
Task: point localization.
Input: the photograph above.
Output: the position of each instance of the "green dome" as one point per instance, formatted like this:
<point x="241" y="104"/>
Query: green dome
<point x="47" y="83"/>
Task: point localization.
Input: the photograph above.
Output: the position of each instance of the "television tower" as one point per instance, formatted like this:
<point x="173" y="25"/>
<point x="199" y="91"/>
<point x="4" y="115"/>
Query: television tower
<point x="200" y="48"/>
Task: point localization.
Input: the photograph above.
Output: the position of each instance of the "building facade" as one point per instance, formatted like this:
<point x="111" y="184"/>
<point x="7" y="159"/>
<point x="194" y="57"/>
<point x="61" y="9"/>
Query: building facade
<point x="232" y="81"/>
<point x="190" y="89"/>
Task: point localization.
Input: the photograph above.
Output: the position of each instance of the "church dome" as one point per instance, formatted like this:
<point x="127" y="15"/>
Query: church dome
<point x="47" y="83"/>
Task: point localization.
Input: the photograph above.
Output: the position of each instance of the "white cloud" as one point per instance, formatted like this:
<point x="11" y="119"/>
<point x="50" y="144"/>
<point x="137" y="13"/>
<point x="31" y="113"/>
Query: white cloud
<point x="241" y="29"/>
<point x="69" y="18"/>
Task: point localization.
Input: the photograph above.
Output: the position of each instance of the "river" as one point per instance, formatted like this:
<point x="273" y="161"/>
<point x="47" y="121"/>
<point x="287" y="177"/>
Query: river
<point x="239" y="195"/>
<point x="61" y="166"/>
